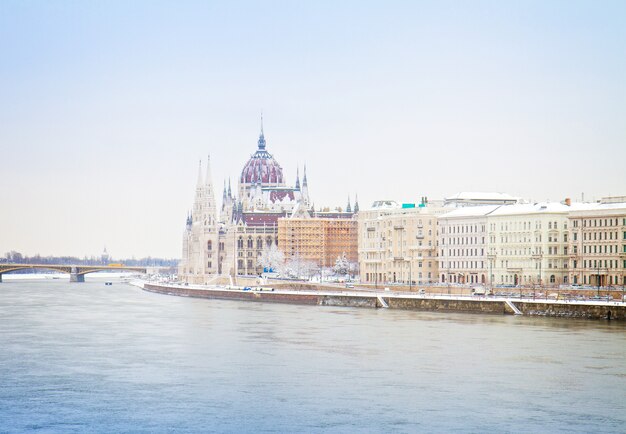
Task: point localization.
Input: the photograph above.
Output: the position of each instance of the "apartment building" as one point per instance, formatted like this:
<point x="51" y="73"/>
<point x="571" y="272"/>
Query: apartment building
<point x="398" y="243"/>
<point x="597" y="244"/>
<point x="462" y="244"/>
<point x="528" y="244"/>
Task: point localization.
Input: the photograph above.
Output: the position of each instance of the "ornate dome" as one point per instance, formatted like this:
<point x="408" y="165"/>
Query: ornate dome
<point x="262" y="165"/>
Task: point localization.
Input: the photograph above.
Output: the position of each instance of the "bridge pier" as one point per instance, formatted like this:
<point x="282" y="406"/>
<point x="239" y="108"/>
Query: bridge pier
<point x="75" y="277"/>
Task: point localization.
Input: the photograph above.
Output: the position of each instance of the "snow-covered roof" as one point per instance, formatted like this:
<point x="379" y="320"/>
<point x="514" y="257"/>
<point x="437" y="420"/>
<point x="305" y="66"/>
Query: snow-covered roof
<point x="471" y="211"/>
<point x="532" y="208"/>
<point x="592" y="207"/>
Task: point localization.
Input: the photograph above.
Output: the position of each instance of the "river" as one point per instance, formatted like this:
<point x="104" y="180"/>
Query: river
<point x="85" y="357"/>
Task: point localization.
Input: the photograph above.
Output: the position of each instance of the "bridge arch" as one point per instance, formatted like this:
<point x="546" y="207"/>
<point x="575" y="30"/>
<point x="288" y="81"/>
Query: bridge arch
<point x="76" y="272"/>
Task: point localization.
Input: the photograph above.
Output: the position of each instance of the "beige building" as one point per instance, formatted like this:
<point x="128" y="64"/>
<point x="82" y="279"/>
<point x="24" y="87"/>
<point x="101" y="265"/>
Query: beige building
<point x="318" y="240"/>
<point x="398" y="244"/>
<point x="598" y="244"/>
<point x="528" y="244"/>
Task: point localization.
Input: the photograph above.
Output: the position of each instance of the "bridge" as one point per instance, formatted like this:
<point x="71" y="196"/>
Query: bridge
<point x="76" y="272"/>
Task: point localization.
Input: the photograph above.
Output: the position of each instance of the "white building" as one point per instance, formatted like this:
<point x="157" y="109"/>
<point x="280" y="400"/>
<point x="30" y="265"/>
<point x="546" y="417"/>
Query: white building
<point x="462" y="241"/>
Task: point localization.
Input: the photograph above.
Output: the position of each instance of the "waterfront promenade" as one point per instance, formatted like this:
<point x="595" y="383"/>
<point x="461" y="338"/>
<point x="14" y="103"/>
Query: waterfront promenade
<point x="590" y="309"/>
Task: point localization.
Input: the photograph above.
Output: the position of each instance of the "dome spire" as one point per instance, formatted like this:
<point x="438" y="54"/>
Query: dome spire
<point x="261" y="136"/>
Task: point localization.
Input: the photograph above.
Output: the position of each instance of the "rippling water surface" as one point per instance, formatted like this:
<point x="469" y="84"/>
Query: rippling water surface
<point x="85" y="357"/>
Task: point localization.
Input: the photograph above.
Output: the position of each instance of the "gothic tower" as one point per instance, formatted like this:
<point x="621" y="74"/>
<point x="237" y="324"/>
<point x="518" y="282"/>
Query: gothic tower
<point x="200" y="239"/>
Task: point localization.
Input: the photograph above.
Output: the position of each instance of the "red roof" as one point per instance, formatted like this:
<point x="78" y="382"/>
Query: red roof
<point x="262" y="219"/>
<point x="279" y="195"/>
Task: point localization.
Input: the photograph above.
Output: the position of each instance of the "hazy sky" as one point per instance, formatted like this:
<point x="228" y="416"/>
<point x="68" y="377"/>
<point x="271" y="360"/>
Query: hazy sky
<point x="106" y="107"/>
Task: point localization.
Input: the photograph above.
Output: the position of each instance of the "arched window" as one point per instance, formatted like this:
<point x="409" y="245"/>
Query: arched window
<point x="259" y="243"/>
<point x="268" y="242"/>
<point x="552" y="278"/>
<point x="250" y="243"/>
<point x="240" y="243"/>
<point x="209" y="245"/>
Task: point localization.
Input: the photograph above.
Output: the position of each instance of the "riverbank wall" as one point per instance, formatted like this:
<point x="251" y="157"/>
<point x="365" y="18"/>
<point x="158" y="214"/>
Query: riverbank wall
<point x="483" y="305"/>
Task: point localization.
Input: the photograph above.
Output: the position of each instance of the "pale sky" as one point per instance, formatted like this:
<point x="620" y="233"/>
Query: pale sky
<point x="106" y="107"/>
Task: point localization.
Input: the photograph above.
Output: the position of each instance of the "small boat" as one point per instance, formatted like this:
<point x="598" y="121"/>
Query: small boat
<point x="108" y="283"/>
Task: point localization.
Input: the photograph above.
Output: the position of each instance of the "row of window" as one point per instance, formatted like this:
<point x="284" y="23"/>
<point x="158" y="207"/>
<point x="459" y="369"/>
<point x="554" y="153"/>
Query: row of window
<point x="259" y="242"/>
<point x="599" y="222"/>
<point x="611" y="248"/>
<point x="456" y="241"/>
<point x="456" y="265"/>
<point x="608" y="235"/>
<point x="598" y="263"/>
<point x="461" y="229"/>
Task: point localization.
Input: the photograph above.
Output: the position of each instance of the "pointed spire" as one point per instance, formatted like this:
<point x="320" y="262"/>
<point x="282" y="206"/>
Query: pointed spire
<point x="356" y="203"/>
<point x="208" y="170"/>
<point x="304" y="181"/>
<point x="348" y="208"/>
<point x="297" y="178"/>
<point x="224" y="193"/>
<point x="261" y="136"/>
<point x="230" y="195"/>
<point x="199" y="173"/>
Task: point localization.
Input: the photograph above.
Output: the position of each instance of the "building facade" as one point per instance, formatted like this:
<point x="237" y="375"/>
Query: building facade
<point x="318" y="240"/>
<point x="462" y="244"/>
<point x="398" y="244"/>
<point x="528" y="244"/>
<point x="597" y="244"/>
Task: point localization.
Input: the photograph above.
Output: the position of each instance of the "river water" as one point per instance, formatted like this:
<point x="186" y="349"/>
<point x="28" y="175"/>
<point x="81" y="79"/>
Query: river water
<point x="85" y="357"/>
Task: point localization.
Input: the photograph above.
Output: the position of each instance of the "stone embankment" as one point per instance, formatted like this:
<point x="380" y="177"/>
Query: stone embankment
<point x="325" y="296"/>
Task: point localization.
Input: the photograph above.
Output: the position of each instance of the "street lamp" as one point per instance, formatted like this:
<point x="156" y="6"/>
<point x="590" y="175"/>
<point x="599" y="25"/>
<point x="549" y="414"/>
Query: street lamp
<point x="376" y="274"/>
<point x="410" y="275"/>
<point x="491" y="258"/>
<point x="598" y="277"/>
